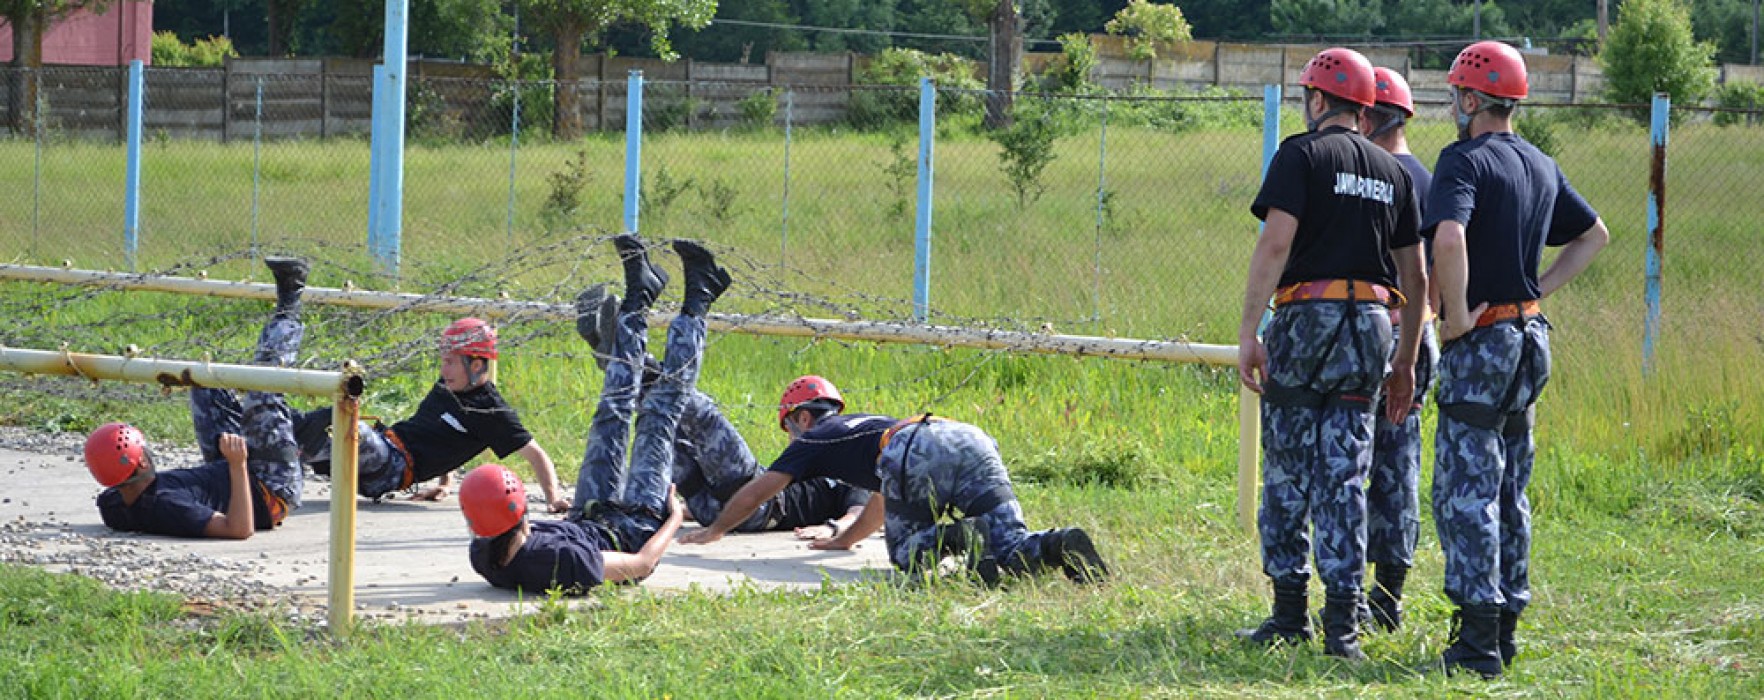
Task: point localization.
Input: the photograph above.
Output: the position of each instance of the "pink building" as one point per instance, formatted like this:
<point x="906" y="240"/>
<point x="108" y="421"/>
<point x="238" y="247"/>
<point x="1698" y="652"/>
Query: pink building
<point x="122" y="34"/>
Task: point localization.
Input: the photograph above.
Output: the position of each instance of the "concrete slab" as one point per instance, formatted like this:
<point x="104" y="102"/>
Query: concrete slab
<point x="410" y="558"/>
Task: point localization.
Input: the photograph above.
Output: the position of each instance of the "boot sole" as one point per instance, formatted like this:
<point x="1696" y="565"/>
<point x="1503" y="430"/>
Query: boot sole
<point x="1082" y="563"/>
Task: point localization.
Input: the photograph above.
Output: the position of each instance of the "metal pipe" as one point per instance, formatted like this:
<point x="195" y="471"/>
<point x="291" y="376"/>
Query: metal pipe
<point x="1656" y="252"/>
<point x="132" y="167"/>
<point x="345" y="456"/>
<point x="922" y="221"/>
<point x="1249" y="455"/>
<point x="873" y="331"/>
<point x="176" y="373"/>
<point x="633" y="148"/>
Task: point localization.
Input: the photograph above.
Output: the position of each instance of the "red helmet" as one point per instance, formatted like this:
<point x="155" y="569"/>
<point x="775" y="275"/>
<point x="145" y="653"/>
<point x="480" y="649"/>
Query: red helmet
<point x="1490" y="67"/>
<point x="493" y="499"/>
<point x="471" y="337"/>
<point x="1393" y="90"/>
<point x="114" y="451"/>
<point x="1343" y="73"/>
<point x="807" y="388"/>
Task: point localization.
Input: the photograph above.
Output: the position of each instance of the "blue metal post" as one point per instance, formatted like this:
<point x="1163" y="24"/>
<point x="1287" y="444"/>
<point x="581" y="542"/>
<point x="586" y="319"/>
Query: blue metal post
<point x="132" y="177"/>
<point x="922" y="229"/>
<point x="1656" y="225"/>
<point x="1270" y="144"/>
<point x="376" y="161"/>
<point x="633" y="147"/>
<point x="256" y="163"/>
<point x="388" y="215"/>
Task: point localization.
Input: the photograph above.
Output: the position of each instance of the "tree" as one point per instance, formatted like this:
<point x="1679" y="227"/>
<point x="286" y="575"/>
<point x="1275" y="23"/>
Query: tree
<point x="571" y="21"/>
<point x="731" y="43"/>
<point x="1147" y="25"/>
<point x="29" y="19"/>
<point x="1333" y="18"/>
<point x="281" y="16"/>
<point x="1651" y="49"/>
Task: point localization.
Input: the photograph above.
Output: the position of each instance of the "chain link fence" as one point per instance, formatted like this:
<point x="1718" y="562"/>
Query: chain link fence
<point x="1098" y="214"/>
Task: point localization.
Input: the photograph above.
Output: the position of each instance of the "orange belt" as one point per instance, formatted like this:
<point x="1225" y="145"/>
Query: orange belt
<point x="1339" y="290"/>
<point x="889" y="433"/>
<point x="409" y="463"/>
<point x="1497" y="313"/>
<point x="278" y="508"/>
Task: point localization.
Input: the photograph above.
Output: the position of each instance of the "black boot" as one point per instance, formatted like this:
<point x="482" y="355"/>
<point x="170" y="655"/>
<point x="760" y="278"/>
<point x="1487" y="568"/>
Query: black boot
<point x="1070" y="549"/>
<point x="643" y="281"/>
<point x="1386" y="600"/>
<point x="597" y="318"/>
<point x="705" y="280"/>
<point x="290" y="276"/>
<point x="1290" y="622"/>
<point x="1508" y="625"/>
<point x="1475" y="636"/>
<point x="1341" y="626"/>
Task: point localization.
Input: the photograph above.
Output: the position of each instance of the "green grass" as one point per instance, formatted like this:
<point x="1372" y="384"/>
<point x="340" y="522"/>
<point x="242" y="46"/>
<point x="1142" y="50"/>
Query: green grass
<point x="1648" y="494"/>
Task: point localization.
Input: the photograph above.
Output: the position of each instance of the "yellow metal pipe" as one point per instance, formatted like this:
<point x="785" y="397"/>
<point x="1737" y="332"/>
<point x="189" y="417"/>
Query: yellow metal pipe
<point x="345" y="456"/>
<point x="1249" y="458"/>
<point x="173" y="373"/>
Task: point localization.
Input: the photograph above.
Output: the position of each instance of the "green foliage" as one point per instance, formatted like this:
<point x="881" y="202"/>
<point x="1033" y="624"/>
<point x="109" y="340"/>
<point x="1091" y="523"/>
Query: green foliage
<point x="594" y="16"/>
<point x="1026" y="148"/>
<point x="426" y="117"/>
<point x="1070" y="73"/>
<point x="758" y="108"/>
<point x="958" y="88"/>
<point x="169" y="52"/>
<point x="719" y="199"/>
<point x="1147" y="25"/>
<point x="902" y="171"/>
<point x="1737" y="95"/>
<point x="668" y="107"/>
<point x="1650" y="50"/>
<point x="1327" y="17"/>
<point x="1123" y="464"/>
<point x="1539" y="130"/>
<point x="660" y="192"/>
<point x="563" y="198"/>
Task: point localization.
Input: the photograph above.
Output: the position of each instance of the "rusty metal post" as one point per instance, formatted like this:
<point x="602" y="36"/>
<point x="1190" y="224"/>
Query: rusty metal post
<point x="1249" y="457"/>
<point x="1662" y="109"/>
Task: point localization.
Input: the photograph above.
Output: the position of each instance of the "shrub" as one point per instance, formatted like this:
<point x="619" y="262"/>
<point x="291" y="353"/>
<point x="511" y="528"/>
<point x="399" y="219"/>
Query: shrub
<point x="1147" y="25"/>
<point x="565" y="195"/>
<point x="959" y="89"/>
<point x="169" y="52"/>
<point x="1651" y="49"/>
<point x="758" y="109"/>
<point x="1025" y="150"/>
<point x="1748" y="96"/>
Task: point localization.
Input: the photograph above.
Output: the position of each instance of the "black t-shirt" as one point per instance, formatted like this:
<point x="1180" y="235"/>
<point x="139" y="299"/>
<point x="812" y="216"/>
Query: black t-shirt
<point x="179" y="502"/>
<point x="564" y="554"/>
<point x="1354" y="204"/>
<point x="1513" y="201"/>
<point x="449" y="429"/>
<point x="843" y="447"/>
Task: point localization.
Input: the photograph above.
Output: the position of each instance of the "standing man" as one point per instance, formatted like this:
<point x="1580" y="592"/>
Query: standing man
<point x="1393" y="498"/>
<point x="1496" y="202"/>
<point x="1340" y="234"/>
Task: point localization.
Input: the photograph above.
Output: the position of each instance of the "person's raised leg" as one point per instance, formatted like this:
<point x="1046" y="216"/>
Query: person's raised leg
<point x="268" y="420"/>
<point x="652" y="459"/>
<point x="603" y="459"/>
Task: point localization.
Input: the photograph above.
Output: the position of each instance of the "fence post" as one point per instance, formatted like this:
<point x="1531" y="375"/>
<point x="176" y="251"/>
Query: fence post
<point x="388" y="209"/>
<point x="1249" y="404"/>
<point x="1662" y="109"/>
<point x="1102" y="160"/>
<point x="256" y="162"/>
<point x="514" y="147"/>
<point x="789" y="116"/>
<point x="376" y="160"/>
<point x="37" y="173"/>
<point x="922" y="230"/>
<point x="132" y="176"/>
<point x="633" y="147"/>
<point x="345" y="439"/>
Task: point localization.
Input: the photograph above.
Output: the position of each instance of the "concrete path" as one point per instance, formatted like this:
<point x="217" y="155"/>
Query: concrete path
<point x="410" y="560"/>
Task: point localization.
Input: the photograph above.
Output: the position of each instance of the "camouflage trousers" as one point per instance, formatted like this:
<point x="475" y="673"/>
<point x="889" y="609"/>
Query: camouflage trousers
<point x="1489" y="384"/>
<point x="629" y="493"/>
<point x="712" y="462"/>
<point x="1326" y="364"/>
<point x="1393" y="493"/>
<point x="264" y="419"/>
<point x="379" y="466"/>
<point x="931" y="467"/>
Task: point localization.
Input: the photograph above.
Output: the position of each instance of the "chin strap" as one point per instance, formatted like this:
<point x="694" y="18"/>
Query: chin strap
<point x="1395" y="118"/>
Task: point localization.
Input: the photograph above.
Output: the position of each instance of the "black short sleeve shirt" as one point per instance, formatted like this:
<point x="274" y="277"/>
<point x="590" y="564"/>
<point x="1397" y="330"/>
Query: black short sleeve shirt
<point x="1354" y="204"/>
<point x="843" y="447"/>
<point x="564" y="554"/>
<point x="179" y="502"/>
<point x="449" y="429"/>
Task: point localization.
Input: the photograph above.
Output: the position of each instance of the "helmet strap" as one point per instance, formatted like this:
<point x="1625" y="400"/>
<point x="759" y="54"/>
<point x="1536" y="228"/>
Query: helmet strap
<point x="1395" y="119"/>
<point x="1313" y="124"/>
